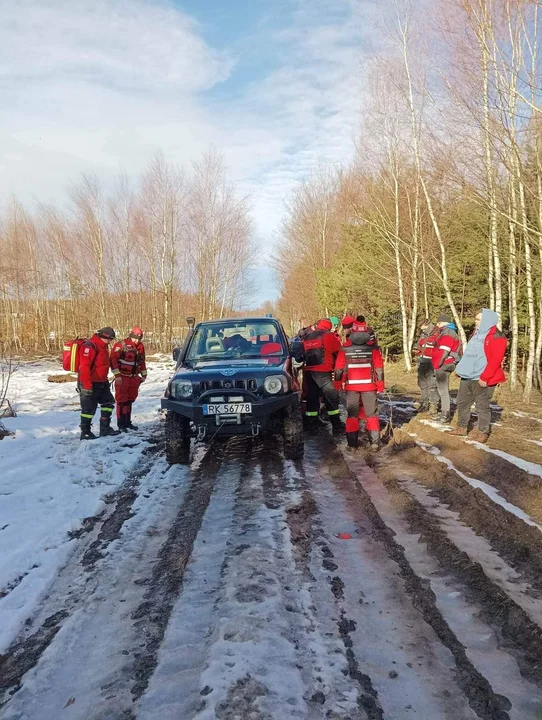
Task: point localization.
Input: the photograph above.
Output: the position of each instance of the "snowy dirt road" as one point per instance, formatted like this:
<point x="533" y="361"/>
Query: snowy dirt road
<point x="248" y="586"/>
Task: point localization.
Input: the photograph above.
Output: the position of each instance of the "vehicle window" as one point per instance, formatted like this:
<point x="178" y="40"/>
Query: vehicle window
<point x="236" y="339"/>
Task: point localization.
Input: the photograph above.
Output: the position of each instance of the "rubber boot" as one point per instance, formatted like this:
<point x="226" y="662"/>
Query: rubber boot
<point x="352" y="441"/>
<point x="106" y="429"/>
<point x="122" y="423"/>
<point x="337" y="424"/>
<point x="86" y="432"/>
<point x="129" y="425"/>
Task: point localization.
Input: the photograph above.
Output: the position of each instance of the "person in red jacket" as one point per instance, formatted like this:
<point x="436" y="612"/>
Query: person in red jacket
<point x="423" y="352"/>
<point x="446" y="354"/>
<point x="360" y="368"/>
<point x="321" y="348"/>
<point x="130" y="370"/>
<point x="93" y="386"/>
<point x="480" y="370"/>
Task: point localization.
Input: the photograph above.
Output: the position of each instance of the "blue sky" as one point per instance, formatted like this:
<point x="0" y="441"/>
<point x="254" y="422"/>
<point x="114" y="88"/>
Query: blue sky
<point x="101" y="85"/>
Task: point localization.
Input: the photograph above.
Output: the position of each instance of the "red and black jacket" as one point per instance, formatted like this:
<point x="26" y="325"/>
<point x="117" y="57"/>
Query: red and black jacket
<point x="321" y="349"/>
<point x="426" y="344"/>
<point x="447" y="351"/>
<point x="94" y="362"/>
<point x="360" y="365"/>
<point x="128" y="358"/>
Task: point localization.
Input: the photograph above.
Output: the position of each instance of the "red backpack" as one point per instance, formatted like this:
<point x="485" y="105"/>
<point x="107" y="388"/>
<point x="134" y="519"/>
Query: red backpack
<point x="71" y="353"/>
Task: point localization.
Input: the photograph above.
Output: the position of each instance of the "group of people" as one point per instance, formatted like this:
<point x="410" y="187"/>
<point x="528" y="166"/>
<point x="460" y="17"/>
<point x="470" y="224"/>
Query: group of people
<point x="349" y="360"/>
<point x="344" y="355"/>
<point x="126" y="360"/>
<point x="439" y="353"/>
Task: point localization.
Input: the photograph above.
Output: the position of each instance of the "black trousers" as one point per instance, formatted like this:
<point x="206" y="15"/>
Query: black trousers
<point x="101" y="395"/>
<point x="320" y="384"/>
<point x="427" y="382"/>
<point x="471" y="392"/>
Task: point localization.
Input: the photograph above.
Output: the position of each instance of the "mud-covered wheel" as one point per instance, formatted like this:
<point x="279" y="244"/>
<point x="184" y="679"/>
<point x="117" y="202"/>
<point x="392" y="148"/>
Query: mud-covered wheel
<point x="293" y="433"/>
<point x="177" y="439"/>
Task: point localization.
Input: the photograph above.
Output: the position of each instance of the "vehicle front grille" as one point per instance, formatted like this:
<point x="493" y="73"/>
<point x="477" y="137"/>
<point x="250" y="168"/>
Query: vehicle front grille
<point x="227" y="384"/>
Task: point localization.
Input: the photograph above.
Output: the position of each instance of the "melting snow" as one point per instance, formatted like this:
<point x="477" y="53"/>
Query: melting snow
<point x="50" y="481"/>
<point x="489" y="490"/>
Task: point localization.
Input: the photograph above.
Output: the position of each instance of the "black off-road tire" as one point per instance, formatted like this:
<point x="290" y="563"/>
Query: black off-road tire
<point x="177" y="433"/>
<point x="292" y="433"/>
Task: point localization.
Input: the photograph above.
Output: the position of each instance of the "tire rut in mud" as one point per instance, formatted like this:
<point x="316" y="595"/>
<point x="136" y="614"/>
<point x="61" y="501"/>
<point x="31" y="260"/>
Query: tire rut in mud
<point x="514" y="484"/>
<point x="517" y="634"/>
<point x="152" y="615"/>
<point x="24" y="654"/>
<point x="308" y="536"/>
<point x="487" y="704"/>
<point x="516" y="542"/>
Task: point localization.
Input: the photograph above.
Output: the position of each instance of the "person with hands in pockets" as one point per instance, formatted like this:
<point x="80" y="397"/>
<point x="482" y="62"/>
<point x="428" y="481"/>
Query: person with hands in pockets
<point x="129" y="368"/>
<point x="360" y="370"/>
<point x="93" y="385"/>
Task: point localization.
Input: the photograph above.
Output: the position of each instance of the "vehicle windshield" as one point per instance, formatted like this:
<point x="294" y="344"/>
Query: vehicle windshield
<point x="243" y="339"/>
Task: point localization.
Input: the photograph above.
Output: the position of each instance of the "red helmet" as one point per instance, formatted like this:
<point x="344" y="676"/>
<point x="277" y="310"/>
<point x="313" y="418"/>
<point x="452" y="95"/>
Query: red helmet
<point x="136" y="332"/>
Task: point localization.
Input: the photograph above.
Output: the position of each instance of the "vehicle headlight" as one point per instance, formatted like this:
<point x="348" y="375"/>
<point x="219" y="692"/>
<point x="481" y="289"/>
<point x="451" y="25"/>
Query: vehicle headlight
<point x="181" y="388"/>
<point x="273" y="384"/>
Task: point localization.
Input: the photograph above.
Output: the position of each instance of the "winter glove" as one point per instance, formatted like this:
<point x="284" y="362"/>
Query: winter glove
<point x="85" y="392"/>
<point x="380" y="386"/>
<point x="118" y="380"/>
<point x="142" y="378"/>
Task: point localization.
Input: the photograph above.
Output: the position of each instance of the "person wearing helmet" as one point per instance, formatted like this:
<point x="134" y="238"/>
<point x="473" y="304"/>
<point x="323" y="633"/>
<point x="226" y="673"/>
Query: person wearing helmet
<point x="93" y="385"/>
<point x="130" y="370"/>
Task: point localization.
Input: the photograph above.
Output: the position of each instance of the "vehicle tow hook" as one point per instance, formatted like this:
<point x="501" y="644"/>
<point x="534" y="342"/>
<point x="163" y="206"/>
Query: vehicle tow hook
<point x="255" y="430"/>
<point x="202" y="431"/>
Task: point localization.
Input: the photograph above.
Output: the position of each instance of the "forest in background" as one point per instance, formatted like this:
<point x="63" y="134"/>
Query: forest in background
<point x="440" y="210"/>
<point x="177" y="242"/>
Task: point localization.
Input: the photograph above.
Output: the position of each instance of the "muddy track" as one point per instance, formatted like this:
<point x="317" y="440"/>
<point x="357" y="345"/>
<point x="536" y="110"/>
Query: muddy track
<point x="518" y="543"/>
<point x="517" y="633"/>
<point x="152" y="615"/>
<point x="483" y="700"/>
<point x="26" y="651"/>
<point x="516" y="485"/>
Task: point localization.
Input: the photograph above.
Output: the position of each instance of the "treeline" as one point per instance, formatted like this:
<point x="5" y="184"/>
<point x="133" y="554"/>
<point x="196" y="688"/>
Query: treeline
<point x="441" y="208"/>
<point x="177" y="242"/>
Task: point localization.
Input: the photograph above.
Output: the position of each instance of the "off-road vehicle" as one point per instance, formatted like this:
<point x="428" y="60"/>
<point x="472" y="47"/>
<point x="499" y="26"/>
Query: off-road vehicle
<point x="233" y="377"/>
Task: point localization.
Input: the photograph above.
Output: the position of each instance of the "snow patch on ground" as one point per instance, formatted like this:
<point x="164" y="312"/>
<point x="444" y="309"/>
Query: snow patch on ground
<point x="489" y="490"/>
<point x="529" y="467"/>
<point x="50" y="481"/>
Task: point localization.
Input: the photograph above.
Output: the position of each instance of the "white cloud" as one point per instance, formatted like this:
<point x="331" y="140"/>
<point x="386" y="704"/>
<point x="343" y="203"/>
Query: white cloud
<point x="102" y="84"/>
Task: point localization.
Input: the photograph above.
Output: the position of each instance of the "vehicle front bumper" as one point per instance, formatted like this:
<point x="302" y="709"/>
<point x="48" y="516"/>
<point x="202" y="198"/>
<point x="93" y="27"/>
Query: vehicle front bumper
<point x="261" y="408"/>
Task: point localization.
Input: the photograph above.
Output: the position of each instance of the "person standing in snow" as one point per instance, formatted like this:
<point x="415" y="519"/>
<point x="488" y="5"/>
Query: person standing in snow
<point x="93" y="385"/>
<point x="426" y="375"/>
<point x="446" y="355"/>
<point x="130" y="370"/>
<point x="480" y="370"/>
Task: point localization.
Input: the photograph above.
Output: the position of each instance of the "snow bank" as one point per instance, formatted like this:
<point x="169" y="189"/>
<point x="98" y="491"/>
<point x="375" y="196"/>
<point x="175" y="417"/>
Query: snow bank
<point x="50" y="481"/>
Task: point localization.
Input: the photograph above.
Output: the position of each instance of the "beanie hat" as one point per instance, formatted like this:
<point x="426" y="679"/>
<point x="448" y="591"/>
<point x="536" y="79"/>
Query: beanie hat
<point x="348" y="321"/>
<point x="107" y="333"/>
<point x="334" y="320"/>
<point x="359" y="327"/>
<point x="324" y="324"/>
<point x="444" y="319"/>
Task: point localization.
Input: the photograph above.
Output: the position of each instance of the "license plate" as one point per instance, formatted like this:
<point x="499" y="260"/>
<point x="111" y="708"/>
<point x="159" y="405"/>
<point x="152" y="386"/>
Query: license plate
<point x="228" y="409"/>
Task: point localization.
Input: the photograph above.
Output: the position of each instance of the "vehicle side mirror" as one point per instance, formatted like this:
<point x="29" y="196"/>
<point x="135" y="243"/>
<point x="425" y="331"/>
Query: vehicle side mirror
<point x="176" y="353"/>
<point x="297" y="350"/>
